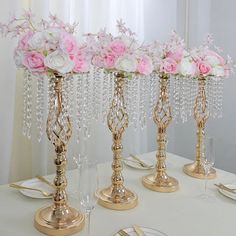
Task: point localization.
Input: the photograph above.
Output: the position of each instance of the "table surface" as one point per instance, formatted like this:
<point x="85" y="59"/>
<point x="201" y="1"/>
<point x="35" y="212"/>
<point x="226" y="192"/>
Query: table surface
<point x="182" y="213"/>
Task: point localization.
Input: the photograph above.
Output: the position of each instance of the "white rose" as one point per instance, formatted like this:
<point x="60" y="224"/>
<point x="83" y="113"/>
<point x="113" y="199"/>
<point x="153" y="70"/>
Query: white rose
<point x="126" y="63"/>
<point x="37" y="41"/>
<point x="218" y="71"/>
<point x="187" y="67"/>
<point x="19" y="57"/>
<point x="59" y="61"/>
<point x="213" y="60"/>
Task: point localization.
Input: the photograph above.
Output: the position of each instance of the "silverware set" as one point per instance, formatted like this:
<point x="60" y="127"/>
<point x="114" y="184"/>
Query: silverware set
<point x="137" y="230"/>
<point x="223" y="187"/>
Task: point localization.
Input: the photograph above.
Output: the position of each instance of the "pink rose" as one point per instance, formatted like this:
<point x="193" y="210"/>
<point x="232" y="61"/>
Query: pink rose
<point x="68" y="43"/>
<point x="168" y="66"/>
<point x="109" y="60"/>
<point x="204" y="68"/>
<point x="145" y="65"/>
<point x="34" y="61"/>
<point x="176" y="55"/>
<point x="81" y="64"/>
<point x="23" y="42"/>
<point x="118" y="47"/>
<point x="214" y="54"/>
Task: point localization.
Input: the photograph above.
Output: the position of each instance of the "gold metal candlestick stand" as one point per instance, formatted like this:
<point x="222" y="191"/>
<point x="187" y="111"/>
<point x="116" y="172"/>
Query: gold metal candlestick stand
<point x="201" y="115"/>
<point x="58" y="219"/>
<point x="116" y="196"/>
<point x="160" y="181"/>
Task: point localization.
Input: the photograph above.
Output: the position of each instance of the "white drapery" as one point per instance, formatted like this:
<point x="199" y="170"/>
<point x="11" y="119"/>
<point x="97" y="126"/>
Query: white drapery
<point x="22" y="158"/>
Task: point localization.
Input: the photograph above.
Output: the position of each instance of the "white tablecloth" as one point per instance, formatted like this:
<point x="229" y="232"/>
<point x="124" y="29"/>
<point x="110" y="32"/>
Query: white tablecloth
<point x="181" y="213"/>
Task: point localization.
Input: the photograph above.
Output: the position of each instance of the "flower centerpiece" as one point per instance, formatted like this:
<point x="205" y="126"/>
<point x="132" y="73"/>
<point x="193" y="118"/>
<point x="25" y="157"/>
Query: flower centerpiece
<point x="122" y="59"/>
<point x="171" y="60"/>
<point x="48" y="49"/>
<point x="211" y="69"/>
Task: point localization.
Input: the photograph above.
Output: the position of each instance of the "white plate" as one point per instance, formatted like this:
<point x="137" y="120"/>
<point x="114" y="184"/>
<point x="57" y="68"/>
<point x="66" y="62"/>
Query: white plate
<point x="35" y="183"/>
<point x="131" y="162"/>
<point x="147" y="231"/>
<point x="226" y="193"/>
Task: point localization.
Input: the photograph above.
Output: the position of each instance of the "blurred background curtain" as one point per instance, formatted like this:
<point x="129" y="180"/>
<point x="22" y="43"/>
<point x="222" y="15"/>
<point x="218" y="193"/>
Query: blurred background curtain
<point x="21" y="158"/>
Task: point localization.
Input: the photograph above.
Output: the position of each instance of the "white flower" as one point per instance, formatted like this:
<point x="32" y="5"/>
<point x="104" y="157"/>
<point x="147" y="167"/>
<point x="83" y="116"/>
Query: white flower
<point x="19" y="57"/>
<point x="59" y="61"/>
<point x="126" y="63"/>
<point x="187" y="67"/>
<point x="37" y="41"/>
<point x="213" y="60"/>
<point x="51" y="38"/>
<point x="218" y="71"/>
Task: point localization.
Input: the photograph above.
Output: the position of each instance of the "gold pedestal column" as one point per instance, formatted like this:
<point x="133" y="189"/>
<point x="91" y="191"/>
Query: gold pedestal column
<point x="160" y="181"/>
<point x="201" y="115"/>
<point x="116" y="196"/>
<point x="58" y="219"/>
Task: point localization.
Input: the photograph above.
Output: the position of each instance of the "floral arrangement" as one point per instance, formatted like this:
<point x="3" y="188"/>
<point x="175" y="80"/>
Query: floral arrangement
<point x="46" y="46"/>
<point x="120" y="53"/>
<point x="208" y="61"/>
<point x="171" y="58"/>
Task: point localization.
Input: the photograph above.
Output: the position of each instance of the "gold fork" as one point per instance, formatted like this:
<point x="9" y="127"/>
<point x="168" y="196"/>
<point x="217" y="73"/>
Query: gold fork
<point x="45" y="181"/>
<point x="221" y="186"/>
<point x="123" y="233"/>
<point x="46" y="194"/>
<point x="143" y="164"/>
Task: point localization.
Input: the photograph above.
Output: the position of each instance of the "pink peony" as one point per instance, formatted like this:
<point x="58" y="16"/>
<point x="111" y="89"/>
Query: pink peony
<point x="145" y="65"/>
<point x="204" y="68"/>
<point x="168" y="66"/>
<point x="81" y="64"/>
<point x="34" y="61"/>
<point x="109" y="60"/>
<point x="176" y="55"/>
<point x="118" y="47"/>
<point x="68" y="43"/>
<point x="23" y="42"/>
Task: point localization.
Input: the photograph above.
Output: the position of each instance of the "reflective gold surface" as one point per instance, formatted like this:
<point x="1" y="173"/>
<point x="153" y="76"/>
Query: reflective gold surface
<point x="160" y="181"/>
<point x="116" y="196"/>
<point x="201" y="115"/>
<point x="58" y="219"/>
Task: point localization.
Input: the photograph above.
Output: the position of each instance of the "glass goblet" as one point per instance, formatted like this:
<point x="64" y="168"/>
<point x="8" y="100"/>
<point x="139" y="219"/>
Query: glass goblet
<point x="88" y="184"/>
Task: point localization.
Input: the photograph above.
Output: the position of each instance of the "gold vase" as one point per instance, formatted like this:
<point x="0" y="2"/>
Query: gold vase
<point x="201" y="115"/>
<point x="160" y="181"/>
<point x="58" y="219"/>
<point x="117" y="196"/>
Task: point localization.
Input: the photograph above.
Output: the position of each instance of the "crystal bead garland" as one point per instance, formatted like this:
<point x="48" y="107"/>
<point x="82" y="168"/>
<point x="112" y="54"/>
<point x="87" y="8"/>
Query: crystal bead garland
<point x="142" y="101"/>
<point x="153" y="94"/>
<point x="220" y="91"/>
<point x="27" y="99"/>
<point x="135" y="102"/>
<point x="96" y="92"/>
<point x="40" y="106"/>
<point x="105" y="97"/>
<point x="79" y="105"/>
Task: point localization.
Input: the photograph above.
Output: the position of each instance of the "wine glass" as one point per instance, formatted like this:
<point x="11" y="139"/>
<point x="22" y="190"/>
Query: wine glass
<point x="88" y="184"/>
<point x="208" y="161"/>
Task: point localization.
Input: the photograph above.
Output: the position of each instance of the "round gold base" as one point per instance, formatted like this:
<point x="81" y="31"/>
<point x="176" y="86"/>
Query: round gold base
<point x="165" y="185"/>
<point x="128" y="201"/>
<point x="46" y="221"/>
<point x="195" y="170"/>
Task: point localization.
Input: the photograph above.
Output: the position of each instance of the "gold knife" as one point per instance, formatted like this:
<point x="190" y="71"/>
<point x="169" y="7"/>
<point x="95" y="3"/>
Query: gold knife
<point x="45" y="181"/>
<point x="225" y="188"/>
<point x="143" y="164"/>
<point x="123" y="233"/>
<point x="138" y="230"/>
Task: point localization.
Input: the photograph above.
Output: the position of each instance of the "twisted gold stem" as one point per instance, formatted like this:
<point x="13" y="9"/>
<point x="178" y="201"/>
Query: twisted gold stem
<point x="59" y="219"/>
<point x="117" y="196"/>
<point x="160" y="181"/>
<point x="201" y="115"/>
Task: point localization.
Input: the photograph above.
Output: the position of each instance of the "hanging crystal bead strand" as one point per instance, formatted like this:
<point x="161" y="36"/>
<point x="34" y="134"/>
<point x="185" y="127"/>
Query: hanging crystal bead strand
<point x="96" y="92"/>
<point x="220" y="90"/>
<point x="79" y="104"/>
<point x="105" y="97"/>
<point x="142" y="113"/>
<point x="153" y="94"/>
<point x="40" y="106"/>
<point x="135" y="103"/>
<point x="27" y="116"/>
